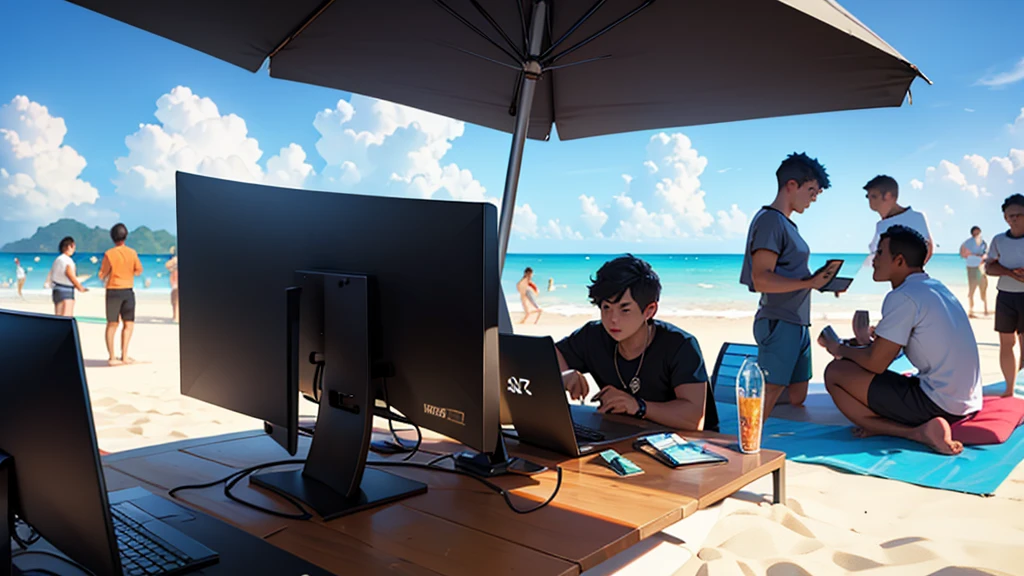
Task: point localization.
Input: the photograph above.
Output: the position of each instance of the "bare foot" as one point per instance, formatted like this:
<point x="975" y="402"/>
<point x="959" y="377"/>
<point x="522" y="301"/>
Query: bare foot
<point x="936" y="434"/>
<point x="862" y="433"/>
<point x="114" y="362"/>
<point x="128" y="360"/>
<point x="1008" y="393"/>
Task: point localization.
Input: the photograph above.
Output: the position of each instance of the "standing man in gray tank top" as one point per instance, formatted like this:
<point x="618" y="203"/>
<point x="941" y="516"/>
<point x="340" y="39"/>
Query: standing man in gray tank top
<point x="1006" y="260"/>
<point x="775" y="264"/>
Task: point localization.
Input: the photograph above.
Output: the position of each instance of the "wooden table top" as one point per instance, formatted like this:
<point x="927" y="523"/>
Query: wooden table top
<point x="458" y="526"/>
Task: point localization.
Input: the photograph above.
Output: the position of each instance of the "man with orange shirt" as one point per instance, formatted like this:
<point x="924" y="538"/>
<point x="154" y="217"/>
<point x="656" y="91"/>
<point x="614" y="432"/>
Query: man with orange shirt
<point x="120" y="267"/>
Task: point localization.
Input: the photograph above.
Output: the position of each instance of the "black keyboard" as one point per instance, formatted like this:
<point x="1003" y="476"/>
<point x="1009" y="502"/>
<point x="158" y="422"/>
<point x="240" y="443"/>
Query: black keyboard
<point x="142" y="553"/>
<point x="587" y="434"/>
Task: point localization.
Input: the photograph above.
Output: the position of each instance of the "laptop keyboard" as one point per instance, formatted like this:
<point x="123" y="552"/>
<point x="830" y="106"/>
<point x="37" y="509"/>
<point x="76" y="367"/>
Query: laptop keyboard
<point x="141" y="553"/>
<point x="587" y="434"/>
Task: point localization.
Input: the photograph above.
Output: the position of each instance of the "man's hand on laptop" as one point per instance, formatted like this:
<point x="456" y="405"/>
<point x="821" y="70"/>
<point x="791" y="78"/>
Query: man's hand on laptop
<point x="615" y="401"/>
<point x="576" y="384"/>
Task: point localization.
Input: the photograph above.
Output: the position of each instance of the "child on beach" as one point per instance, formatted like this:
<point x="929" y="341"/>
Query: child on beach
<point x="775" y="264"/>
<point x="921" y="316"/>
<point x="120" y="267"/>
<point x="644" y="367"/>
<point x="1006" y="260"/>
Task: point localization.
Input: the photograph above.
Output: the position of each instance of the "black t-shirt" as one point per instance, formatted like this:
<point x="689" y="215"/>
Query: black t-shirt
<point x="672" y="359"/>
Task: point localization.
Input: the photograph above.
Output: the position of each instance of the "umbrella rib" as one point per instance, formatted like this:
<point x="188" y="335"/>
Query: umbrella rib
<point x="577" y="63"/>
<point x="482" y="57"/>
<point x="490" y="20"/>
<point x="309" y="20"/>
<point x="479" y="32"/>
<point x="598" y="34"/>
<point x="522" y="20"/>
<point x="580" y="22"/>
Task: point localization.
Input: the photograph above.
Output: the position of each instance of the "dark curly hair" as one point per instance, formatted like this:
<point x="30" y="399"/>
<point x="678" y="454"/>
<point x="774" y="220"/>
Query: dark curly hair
<point x="803" y="169"/>
<point x="625" y="273"/>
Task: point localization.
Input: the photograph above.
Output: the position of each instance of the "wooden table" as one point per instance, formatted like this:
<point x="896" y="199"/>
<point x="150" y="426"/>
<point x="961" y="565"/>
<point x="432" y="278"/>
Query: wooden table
<point x="459" y="527"/>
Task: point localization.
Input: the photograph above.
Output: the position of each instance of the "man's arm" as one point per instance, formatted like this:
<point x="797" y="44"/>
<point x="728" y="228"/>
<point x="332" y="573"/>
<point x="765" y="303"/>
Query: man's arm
<point x="574" y="382"/>
<point x="766" y="281"/>
<point x="875" y="358"/>
<point x="73" y="278"/>
<point x="138" y="266"/>
<point x="994" y="268"/>
<point x="104" y="268"/>
<point x="686" y="412"/>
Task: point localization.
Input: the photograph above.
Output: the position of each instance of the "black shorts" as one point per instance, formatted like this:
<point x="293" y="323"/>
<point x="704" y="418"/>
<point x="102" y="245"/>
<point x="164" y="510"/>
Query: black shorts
<point x="1010" y="312"/>
<point x="900" y="398"/>
<point x="120" y="304"/>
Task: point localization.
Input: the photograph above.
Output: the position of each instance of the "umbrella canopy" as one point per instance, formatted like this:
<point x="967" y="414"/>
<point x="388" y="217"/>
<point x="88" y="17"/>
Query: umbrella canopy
<point x="589" y="67"/>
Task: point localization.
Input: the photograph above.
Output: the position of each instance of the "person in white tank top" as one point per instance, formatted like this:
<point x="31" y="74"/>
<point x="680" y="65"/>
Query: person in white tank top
<point x="883" y="194"/>
<point x="63" y="279"/>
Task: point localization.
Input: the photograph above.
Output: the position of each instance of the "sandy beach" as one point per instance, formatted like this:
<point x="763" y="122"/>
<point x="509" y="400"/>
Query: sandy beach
<point x="834" y="523"/>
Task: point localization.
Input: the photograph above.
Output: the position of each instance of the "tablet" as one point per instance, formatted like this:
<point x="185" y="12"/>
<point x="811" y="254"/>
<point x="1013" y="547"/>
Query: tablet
<point x="673" y="451"/>
<point x="836" y="284"/>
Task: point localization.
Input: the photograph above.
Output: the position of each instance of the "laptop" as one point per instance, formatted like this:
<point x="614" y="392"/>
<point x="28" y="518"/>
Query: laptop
<point x="541" y="411"/>
<point x="59" y="486"/>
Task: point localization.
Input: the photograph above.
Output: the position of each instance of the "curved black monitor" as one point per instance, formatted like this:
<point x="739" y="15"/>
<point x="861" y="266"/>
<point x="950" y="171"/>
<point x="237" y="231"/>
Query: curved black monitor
<point x="427" y="273"/>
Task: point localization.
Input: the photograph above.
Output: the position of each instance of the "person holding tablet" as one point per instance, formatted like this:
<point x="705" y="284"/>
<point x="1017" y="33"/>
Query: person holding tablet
<point x="775" y="263"/>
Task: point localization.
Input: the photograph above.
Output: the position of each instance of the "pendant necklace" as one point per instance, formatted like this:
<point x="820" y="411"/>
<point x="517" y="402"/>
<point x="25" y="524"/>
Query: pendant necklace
<point x="634" y="383"/>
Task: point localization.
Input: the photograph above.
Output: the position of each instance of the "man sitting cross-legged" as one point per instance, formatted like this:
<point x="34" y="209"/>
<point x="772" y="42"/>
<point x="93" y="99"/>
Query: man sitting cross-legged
<point x="927" y="321"/>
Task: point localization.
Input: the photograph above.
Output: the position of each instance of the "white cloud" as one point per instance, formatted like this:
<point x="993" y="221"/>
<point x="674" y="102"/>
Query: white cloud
<point x="40" y="176"/>
<point x="556" y="231"/>
<point x="948" y="210"/>
<point x="651" y="166"/>
<point x="733" y="222"/>
<point x="1018" y="124"/>
<point x="638" y="223"/>
<point x="384" y="148"/>
<point x="979" y="164"/>
<point x="1017" y="158"/>
<point x="1016" y="74"/>
<point x="524" y="222"/>
<point x="951" y="173"/>
<point x="968" y="109"/>
<point x="627" y="178"/>
<point x="593" y="217"/>
<point x="680" y="190"/>
<point x="916" y="184"/>
<point x="193" y="136"/>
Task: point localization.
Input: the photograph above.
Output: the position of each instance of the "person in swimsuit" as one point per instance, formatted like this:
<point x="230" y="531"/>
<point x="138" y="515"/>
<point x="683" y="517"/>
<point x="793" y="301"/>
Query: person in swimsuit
<point x="528" y="296"/>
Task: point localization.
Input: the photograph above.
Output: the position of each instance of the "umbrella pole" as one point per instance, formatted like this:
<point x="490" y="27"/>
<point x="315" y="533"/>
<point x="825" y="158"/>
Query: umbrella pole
<point x="524" y="104"/>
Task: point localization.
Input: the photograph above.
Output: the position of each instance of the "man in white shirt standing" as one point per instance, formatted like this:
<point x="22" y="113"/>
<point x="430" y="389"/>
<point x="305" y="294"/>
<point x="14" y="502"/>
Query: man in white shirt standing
<point x="1006" y="260"/>
<point x="19" y="276"/>
<point x="923" y="317"/>
<point x="883" y="194"/>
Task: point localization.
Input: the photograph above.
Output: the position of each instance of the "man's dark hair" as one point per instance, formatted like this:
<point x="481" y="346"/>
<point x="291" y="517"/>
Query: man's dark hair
<point x="973" y="228"/>
<point x="906" y="242"/>
<point x="1013" y="200"/>
<point x="119" y="233"/>
<point x="803" y="169"/>
<point x="64" y="243"/>
<point x="625" y="272"/>
<point x="884" y="184"/>
<point x="527" y="271"/>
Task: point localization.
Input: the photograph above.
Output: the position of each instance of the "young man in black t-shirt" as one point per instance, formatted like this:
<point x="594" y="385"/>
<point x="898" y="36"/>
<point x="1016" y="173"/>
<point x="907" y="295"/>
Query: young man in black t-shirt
<point x="645" y="367"/>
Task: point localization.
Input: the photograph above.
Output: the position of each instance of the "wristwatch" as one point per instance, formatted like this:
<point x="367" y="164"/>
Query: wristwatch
<point x="641" y="411"/>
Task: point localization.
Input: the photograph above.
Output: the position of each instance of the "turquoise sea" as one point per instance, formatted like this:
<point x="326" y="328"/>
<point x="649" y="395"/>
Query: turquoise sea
<point x="693" y="284"/>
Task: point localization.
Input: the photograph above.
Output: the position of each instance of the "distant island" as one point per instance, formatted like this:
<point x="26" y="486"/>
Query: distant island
<point x="47" y="238"/>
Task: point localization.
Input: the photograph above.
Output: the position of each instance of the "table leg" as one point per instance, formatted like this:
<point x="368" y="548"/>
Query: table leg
<point x="779" y="484"/>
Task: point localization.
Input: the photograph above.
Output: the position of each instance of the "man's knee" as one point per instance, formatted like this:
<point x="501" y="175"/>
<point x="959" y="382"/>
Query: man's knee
<point x="797" y="393"/>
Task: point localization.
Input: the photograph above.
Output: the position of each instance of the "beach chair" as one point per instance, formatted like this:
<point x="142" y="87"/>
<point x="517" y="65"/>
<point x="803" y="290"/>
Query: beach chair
<point x="727" y="366"/>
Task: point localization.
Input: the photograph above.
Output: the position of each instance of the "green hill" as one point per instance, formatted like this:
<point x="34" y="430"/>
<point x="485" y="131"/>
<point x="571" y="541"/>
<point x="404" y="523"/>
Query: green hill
<point x="47" y="238"/>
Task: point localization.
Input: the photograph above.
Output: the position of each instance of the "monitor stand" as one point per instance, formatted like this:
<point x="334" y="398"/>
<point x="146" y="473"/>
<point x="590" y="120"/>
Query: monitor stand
<point x="496" y="463"/>
<point x="335" y="480"/>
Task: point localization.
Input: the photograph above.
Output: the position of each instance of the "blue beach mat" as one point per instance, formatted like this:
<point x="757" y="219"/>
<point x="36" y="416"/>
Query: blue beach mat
<point x="977" y="470"/>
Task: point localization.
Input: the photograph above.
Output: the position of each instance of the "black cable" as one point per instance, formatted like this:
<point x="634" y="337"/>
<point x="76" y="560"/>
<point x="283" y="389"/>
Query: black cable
<point x="440" y="459"/>
<point x="391" y="425"/>
<point x="504" y="494"/>
<point x="234" y="478"/>
<point x="64" y="559"/>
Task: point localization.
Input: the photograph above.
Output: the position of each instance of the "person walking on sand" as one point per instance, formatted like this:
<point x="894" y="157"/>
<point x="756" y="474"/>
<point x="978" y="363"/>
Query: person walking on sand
<point x="19" y="276"/>
<point x="528" y="296"/>
<point x="64" y="280"/>
<point x="172" y="274"/>
<point x="974" y="250"/>
<point x="120" y="267"/>
<point x="1006" y="260"/>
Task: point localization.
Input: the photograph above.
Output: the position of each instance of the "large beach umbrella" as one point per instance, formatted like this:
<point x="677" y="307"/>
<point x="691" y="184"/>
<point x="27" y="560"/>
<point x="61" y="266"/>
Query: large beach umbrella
<point x="589" y="67"/>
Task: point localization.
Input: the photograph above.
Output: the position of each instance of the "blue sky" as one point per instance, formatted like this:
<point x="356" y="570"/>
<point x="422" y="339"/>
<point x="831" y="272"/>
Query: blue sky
<point x="104" y="79"/>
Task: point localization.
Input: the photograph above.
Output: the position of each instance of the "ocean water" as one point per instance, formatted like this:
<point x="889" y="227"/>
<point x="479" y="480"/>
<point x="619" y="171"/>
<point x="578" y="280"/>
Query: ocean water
<point x="37" y="268"/>
<point x="692" y="284"/>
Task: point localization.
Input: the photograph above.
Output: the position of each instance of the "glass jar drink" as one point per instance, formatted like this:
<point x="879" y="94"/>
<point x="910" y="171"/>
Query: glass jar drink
<point x="750" y="404"/>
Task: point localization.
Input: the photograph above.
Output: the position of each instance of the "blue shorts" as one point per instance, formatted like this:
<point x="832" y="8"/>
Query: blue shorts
<point x="783" y="351"/>
<point x="62" y="293"/>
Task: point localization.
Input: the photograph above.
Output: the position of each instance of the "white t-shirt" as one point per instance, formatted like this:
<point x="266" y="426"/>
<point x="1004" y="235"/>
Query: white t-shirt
<point x="1010" y="254"/>
<point x="19" y="273"/>
<point x="976" y="252"/>
<point x="926" y="319"/>
<point x="909" y="218"/>
<point x="58" y="272"/>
